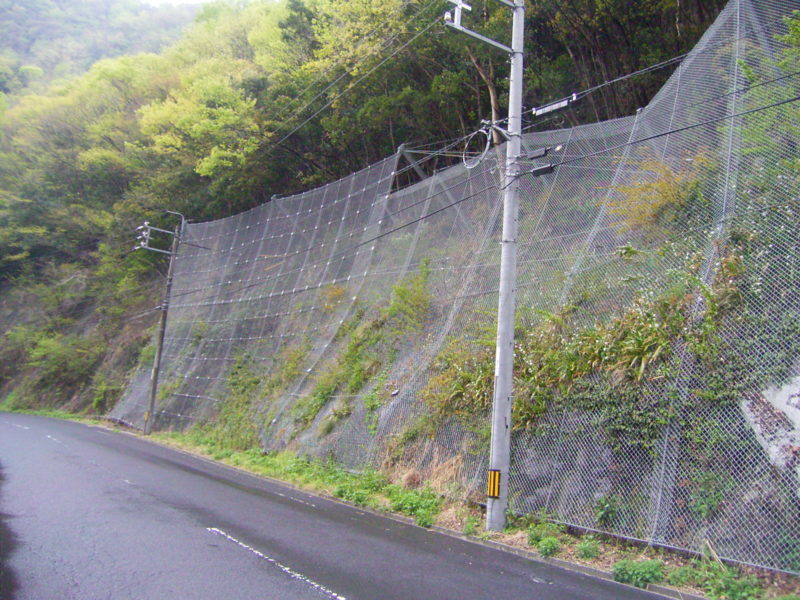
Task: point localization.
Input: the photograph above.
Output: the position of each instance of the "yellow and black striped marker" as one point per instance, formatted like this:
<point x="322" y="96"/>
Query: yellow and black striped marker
<point x="493" y="484"/>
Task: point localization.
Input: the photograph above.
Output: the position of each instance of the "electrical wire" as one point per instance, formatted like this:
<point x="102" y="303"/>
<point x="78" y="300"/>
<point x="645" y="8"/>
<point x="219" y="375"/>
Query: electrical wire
<point x="670" y="132"/>
<point x="385" y="45"/>
<point x="645" y="70"/>
<point x="568" y="161"/>
<point x="342" y="60"/>
<point x="564" y="162"/>
<point x="357" y="81"/>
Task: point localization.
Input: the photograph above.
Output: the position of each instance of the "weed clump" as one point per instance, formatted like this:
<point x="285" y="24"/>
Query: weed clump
<point x="717" y="580"/>
<point x="638" y="573"/>
<point x="548" y="546"/>
<point x="588" y="548"/>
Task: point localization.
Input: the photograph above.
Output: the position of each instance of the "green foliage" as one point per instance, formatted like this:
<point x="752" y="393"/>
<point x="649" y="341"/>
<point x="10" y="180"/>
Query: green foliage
<point x="39" y="39"/>
<point x="399" y="443"/>
<point x="548" y="546"/>
<point x="167" y="388"/>
<point x="708" y="492"/>
<point x="681" y="576"/>
<point x="422" y="504"/>
<point x="146" y="356"/>
<point x="105" y="393"/>
<point x="717" y="580"/>
<point x="199" y="331"/>
<point x="373" y="400"/>
<point x="362" y="489"/>
<point x="234" y="428"/>
<point x="411" y="300"/>
<point x="10" y="402"/>
<point x="370" y="343"/>
<point x="64" y="360"/>
<point x="462" y="383"/>
<point x="598" y="367"/>
<point x="652" y="205"/>
<point x="638" y="573"/>
<point x="289" y="361"/>
<point x="588" y="548"/>
<point x="471" y="524"/>
<point x="193" y="129"/>
<point x="606" y="510"/>
<point x="349" y="372"/>
<point x="541" y="530"/>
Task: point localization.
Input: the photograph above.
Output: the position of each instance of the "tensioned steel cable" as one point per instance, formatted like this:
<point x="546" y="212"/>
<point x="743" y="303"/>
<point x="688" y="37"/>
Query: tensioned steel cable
<point x="554" y="165"/>
<point x="669" y="132"/>
<point x="489" y="187"/>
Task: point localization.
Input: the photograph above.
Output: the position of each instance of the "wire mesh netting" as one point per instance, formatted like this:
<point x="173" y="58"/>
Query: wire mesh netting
<point x="657" y="369"/>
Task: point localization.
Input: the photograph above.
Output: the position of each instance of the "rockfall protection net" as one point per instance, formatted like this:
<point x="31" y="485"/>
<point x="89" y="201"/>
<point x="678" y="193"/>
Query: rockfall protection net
<point x="657" y="386"/>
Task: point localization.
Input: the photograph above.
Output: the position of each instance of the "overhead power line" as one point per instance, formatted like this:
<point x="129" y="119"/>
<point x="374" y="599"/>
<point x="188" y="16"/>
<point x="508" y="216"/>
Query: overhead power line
<point x="486" y="188"/>
<point x="665" y="133"/>
<point x="357" y="81"/>
<point x="386" y="42"/>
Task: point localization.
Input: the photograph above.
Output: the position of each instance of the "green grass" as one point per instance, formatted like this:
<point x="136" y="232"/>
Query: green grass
<point x="717" y="580"/>
<point x="52" y="413"/>
<point x="368" y="488"/>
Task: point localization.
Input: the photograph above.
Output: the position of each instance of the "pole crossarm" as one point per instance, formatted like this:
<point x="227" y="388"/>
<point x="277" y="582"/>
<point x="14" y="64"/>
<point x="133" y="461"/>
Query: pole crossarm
<point x="454" y="20"/>
<point x="480" y="37"/>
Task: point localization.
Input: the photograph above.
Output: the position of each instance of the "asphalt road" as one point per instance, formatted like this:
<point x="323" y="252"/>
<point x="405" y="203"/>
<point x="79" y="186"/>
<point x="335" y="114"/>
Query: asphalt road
<point x="91" y="514"/>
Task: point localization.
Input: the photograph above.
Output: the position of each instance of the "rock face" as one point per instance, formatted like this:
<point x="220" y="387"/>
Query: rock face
<point x="774" y="416"/>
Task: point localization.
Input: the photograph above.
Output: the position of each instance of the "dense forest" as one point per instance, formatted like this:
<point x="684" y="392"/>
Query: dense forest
<point x="45" y="40"/>
<point x="255" y="99"/>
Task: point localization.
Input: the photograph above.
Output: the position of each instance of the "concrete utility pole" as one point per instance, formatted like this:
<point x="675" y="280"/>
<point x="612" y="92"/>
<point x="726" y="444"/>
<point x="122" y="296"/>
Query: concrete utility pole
<point x="162" y="324"/>
<point x="500" y="456"/>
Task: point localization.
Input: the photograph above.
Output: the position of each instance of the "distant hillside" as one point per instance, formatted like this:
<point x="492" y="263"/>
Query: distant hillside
<point x="42" y="40"/>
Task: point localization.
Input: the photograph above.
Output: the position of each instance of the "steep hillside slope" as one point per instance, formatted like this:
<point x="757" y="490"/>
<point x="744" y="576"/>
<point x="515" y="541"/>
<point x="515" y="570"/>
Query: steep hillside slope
<point x="657" y="316"/>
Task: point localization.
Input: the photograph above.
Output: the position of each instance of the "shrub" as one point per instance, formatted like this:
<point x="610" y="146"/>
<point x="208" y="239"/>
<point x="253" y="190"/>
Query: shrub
<point x="724" y="583"/>
<point x="471" y="525"/>
<point x="685" y="575"/>
<point x="411" y="300"/>
<point x="717" y="580"/>
<point x="638" y="573"/>
<point x="548" y="546"/>
<point x="538" y="531"/>
<point x="351" y="493"/>
<point x="606" y="510"/>
<point x="65" y="359"/>
<point x="588" y="548"/>
<point x="422" y="504"/>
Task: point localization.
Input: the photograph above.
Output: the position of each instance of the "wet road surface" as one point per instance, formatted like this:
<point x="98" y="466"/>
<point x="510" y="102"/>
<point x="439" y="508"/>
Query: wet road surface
<point x="91" y="514"/>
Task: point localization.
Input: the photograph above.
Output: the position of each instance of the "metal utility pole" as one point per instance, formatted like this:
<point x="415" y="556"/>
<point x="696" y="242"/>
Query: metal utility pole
<point x="500" y="456"/>
<point x="144" y="243"/>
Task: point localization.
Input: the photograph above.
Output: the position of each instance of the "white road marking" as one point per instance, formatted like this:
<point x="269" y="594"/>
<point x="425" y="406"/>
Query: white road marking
<point x="21" y="427"/>
<point x="302" y="502"/>
<point x="290" y="572"/>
